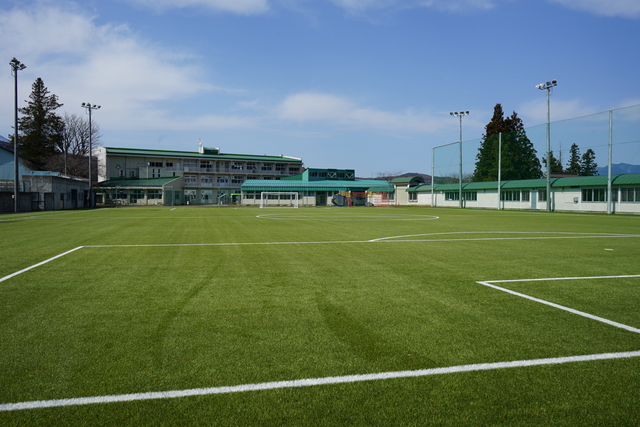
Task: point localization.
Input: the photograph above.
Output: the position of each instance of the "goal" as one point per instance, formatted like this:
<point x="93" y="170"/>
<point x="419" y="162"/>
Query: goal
<point x="282" y="199"/>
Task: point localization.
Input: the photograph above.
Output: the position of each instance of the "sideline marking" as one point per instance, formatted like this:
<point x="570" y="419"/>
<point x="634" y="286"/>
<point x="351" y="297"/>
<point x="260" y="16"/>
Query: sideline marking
<point x="39" y="264"/>
<point x="38" y="404"/>
<point x="562" y="307"/>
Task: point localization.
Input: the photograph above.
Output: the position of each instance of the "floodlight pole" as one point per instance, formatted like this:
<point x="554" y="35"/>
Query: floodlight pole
<point x="89" y="108"/>
<point x="460" y="114"/>
<point x="15" y="67"/>
<point x="548" y="86"/>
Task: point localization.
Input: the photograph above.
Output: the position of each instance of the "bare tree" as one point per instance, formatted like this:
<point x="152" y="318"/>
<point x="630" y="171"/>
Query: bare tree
<point x="72" y="157"/>
<point x="388" y="176"/>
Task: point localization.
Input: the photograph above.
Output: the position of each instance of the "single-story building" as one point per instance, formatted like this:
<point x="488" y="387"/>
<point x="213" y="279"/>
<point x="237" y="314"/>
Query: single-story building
<point x="576" y="194"/>
<point x="320" y="187"/>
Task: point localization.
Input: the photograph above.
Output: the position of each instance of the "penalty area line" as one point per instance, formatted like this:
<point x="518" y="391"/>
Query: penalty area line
<point x="38" y="404"/>
<point x="562" y="307"/>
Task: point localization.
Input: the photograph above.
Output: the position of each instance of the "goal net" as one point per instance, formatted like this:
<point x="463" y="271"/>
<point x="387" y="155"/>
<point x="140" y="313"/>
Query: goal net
<point x="282" y="199"/>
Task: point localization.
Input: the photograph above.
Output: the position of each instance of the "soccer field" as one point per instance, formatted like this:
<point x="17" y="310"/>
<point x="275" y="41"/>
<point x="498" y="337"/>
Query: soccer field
<point x="319" y="316"/>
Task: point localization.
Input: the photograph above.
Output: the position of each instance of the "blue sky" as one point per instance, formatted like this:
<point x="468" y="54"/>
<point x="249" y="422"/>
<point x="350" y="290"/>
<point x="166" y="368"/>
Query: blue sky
<point x="364" y="84"/>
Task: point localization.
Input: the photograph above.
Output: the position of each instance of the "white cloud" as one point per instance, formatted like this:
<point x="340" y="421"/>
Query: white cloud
<point x="448" y="5"/>
<point x="244" y="7"/>
<point x="535" y="111"/>
<point x="83" y="62"/>
<point x="619" y="8"/>
<point x="310" y="107"/>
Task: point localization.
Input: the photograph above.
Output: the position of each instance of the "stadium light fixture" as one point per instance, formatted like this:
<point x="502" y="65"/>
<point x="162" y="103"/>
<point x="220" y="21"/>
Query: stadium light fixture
<point x="15" y="67"/>
<point x="460" y="114"/>
<point x="548" y="86"/>
<point x="90" y="108"/>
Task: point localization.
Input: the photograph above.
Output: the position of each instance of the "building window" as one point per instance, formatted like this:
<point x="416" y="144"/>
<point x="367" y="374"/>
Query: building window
<point x="190" y="179"/>
<point x="251" y="166"/>
<point x="190" y="165"/>
<point x="206" y="165"/>
<point x="136" y="194"/>
<point x="206" y="181"/>
<point x="155" y="164"/>
<point x="630" y="194"/>
<point x="510" y="195"/>
<point x="267" y="167"/>
<point x="154" y="194"/>
<point x="236" y="166"/>
<point x="223" y="181"/>
<point x="471" y="196"/>
<point x="132" y="173"/>
<point x="526" y="195"/>
<point x="189" y="196"/>
<point x="451" y="195"/>
<point x="542" y="195"/>
<point x="594" y="194"/>
<point x="413" y="196"/>
<point x="237" y="180"/>
<point x="206" y="197"/>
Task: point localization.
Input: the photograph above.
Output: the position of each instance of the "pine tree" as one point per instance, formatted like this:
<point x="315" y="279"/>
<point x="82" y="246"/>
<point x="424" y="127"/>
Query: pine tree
<point x="40" y="127"/>
<point x="589" y="166"/>
<point x="556" y="165"/>
<point x="574" y="165"/>
<point x="519" y="160"/>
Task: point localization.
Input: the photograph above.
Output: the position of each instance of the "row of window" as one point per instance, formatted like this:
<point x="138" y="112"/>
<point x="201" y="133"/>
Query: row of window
<point x="505" y="195"/>
<point x="471" y="196"/>
<point x="628" y="194"/>
<point x="631" y="194"/>
<point x="209" y="165"/>
<point x="207" y="180"/>
<point x="135" y="195"/>
<point x="332" y="174"/>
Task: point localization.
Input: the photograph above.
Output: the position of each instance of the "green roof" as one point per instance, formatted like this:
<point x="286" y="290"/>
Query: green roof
<point x="328" y="185"/>
<point x="419" y="188"/>
<point x="528" y="183"/>
<point x="627" y="179"/>
<point x="195" y="154"/>
<point x="581" y="181"/>
<point x="133" y="182"/>
<point x="406" y="179"/>
<point x="484" y="185"/>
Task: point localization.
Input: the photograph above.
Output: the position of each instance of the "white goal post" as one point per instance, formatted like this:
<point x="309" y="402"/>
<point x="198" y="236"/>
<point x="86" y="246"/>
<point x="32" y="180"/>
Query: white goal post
<point x="282" y="199"/>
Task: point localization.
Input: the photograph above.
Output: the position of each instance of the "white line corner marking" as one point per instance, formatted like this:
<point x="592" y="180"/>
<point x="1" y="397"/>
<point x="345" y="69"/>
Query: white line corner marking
<point x="39" y="404"/>
<point x="490" y="284"/>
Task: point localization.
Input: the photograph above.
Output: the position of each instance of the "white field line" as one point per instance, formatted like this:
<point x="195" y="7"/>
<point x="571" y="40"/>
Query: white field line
<point x="381" y="239"/>
<point x="38" y="404"/>
<point x="562" y="307"/>
<point x="565" y="235"/>
<point x="39" y="264"/>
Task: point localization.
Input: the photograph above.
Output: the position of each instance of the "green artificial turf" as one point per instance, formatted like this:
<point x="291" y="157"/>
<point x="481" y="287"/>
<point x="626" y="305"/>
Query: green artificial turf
<point x="160" y="299"/>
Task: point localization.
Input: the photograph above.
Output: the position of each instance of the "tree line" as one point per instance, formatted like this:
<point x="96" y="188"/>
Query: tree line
<point x="519" y="158"/>
<point x="53" y="142"/>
